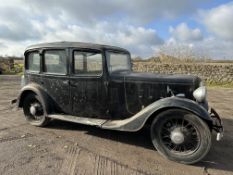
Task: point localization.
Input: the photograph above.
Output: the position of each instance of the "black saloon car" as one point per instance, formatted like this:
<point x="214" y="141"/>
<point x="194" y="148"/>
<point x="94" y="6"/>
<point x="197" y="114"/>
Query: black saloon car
<point x="94" y="85"/>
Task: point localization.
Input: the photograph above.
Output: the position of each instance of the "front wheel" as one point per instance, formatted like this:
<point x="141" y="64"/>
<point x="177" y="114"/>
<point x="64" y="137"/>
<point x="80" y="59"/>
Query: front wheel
<point x="181" y="136"/>
<point x="34" y="110"/>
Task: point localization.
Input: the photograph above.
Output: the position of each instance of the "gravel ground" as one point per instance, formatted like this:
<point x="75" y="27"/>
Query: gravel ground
<point x="68" y="148"/>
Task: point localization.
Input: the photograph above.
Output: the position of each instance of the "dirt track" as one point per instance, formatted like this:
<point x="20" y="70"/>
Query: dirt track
<point x="67" y="148"/>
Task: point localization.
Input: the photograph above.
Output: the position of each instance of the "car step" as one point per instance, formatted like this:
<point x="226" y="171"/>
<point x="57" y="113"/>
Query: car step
<point x="130" y="124"/>
<point x="80" y="120"/>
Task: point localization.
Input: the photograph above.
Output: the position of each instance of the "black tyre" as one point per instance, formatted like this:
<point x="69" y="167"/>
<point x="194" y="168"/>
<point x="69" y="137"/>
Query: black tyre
<point x="34" y="111"/>
<point x="180" y="136"/>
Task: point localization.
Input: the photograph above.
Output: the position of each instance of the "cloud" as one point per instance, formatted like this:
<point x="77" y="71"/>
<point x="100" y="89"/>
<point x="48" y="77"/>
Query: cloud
<point x="22" y="23"/>
<point x="140" y="11"/>
<point x="219" y="20"/>
<point x="12" y="48"/>
<point x="114" y="22"/>
<point x="137" y="39"/>
<point x="16" y="24"/>
<point x="216" y="48"/>
<point x="182" y="33"/>
<point x="209" y="47"/>
<point x="2" y="45"/>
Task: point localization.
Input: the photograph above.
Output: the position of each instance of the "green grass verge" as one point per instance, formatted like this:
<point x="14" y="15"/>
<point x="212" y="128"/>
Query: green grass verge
<point x="220" y="84"/>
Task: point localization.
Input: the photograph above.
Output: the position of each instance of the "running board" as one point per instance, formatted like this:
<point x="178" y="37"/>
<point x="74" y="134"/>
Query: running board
<point x="80" y="120"/>
<point x="129" y="124"/>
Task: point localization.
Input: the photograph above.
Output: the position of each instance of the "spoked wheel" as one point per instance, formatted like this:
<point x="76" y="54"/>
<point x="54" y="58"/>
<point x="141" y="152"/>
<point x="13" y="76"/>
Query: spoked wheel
<point x="181" y="136"/>
<point x="34" y="111"/>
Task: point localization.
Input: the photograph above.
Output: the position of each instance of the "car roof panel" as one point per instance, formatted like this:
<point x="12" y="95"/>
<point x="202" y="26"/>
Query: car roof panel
<point x="65" y="44"/>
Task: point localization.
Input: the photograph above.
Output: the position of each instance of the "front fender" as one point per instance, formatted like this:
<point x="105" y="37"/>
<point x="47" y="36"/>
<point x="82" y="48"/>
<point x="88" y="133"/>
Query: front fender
<point x="38" y="90"/>
<point x="137" y="121"/>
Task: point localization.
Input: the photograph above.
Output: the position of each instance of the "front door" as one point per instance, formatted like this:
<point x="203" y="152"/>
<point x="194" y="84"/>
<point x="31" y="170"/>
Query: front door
<point x="87" y="84"/>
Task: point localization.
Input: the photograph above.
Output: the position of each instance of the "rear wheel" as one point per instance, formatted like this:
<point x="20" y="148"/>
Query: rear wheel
<point x="34" y="111"/>
<point x="181" y="136"/>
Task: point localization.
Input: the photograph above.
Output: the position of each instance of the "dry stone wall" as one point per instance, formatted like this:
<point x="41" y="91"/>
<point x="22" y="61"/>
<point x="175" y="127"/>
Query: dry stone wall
<point x="213" y="73"/>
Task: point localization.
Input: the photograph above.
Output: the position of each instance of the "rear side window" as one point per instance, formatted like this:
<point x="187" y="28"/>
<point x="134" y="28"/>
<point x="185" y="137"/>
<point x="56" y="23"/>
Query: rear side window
<point x="55" y="61"/>
<point x="33" y="62"/>
<point x="87" y="62"/>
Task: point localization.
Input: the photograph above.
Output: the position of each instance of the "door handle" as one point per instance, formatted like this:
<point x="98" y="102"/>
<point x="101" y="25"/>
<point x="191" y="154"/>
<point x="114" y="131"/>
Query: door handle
<point x="66" y="82"/>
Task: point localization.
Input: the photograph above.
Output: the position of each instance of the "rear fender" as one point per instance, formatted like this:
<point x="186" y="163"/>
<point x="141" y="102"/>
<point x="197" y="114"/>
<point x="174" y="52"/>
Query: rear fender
<point x="38" y="90"/>
<point x="137" y="121"/>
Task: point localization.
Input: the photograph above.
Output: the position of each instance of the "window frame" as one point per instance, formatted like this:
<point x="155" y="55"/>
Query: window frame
<point x="117" y="52"/>
<point x="66" y="58"/>
<point x="86" y="74"/>
<point x="26" y="62"/>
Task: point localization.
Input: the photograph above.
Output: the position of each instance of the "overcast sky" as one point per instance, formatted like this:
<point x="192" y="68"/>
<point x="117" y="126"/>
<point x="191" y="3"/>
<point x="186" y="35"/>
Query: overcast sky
<point x="142" y="26"/>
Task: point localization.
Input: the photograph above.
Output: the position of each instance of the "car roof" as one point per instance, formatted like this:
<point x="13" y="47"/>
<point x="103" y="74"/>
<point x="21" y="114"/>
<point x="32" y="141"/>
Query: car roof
<point x="65" y="44"/>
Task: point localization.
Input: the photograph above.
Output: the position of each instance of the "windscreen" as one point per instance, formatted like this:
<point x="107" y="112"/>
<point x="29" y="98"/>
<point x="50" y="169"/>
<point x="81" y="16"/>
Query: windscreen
<point x="118" y="61"/>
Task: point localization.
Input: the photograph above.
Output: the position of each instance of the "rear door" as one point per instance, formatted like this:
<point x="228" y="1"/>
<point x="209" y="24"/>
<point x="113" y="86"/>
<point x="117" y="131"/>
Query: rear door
<point x="55" y="77"/>
<point x="88" y="84"/>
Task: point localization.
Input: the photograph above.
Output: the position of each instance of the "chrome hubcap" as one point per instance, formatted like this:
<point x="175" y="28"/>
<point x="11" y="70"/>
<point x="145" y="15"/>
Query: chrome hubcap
<point x="180" y="135"/>
<point x="177" y="137"/>
<point x="33" y="110"/>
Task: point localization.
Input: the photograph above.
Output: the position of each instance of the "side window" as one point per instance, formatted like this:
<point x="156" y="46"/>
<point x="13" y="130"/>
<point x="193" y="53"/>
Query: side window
<point x="78" y="63"/>
<point x="87" y="62"/>
<point x="55" y="61"/>
<point x="33" y="62"/>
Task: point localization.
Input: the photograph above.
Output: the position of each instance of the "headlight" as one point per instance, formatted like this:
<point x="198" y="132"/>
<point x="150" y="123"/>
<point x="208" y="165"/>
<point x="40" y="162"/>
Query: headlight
<point x="200" y="94"/>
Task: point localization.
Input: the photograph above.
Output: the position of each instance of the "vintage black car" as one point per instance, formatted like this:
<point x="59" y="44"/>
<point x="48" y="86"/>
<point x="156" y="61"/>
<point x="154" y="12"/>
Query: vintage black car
<point x="94" y="85"/>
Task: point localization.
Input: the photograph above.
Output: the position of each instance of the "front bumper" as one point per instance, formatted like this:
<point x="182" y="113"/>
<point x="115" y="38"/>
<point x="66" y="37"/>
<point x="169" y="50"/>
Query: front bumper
<point x="217" y="124"/>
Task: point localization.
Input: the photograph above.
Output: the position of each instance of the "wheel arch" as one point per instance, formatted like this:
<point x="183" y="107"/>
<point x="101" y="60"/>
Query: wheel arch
<point x="35" y="89"/>
<point x="159" y="111"/>
<point x="139" y="120"/>
<point x="23" y="96"/>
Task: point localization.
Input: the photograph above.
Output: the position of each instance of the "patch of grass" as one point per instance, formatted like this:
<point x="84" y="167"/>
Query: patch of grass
<point x="20" y="73"/>
<point x="16" y="70"/>
<point x="219" y="84"/>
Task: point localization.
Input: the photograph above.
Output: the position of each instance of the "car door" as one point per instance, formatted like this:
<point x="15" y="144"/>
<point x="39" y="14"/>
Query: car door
<point x="55" y="79"/>
<point x="88" y="84"/>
